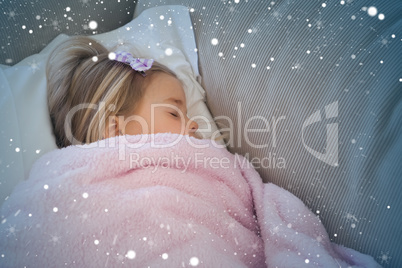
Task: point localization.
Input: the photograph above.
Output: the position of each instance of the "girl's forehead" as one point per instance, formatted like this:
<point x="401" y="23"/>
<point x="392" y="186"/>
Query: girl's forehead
<point x="164" y="86"/>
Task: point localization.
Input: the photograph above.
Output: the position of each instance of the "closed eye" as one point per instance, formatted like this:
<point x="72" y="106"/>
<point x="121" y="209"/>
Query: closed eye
<point x="175" y="115"/>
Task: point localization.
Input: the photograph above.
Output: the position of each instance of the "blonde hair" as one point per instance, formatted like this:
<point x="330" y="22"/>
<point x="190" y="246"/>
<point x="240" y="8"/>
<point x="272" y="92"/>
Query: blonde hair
<point x="85" y="88"/>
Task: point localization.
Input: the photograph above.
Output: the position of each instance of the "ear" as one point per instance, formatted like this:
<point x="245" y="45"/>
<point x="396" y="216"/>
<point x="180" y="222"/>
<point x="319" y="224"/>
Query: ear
<point x="111" y="127"/>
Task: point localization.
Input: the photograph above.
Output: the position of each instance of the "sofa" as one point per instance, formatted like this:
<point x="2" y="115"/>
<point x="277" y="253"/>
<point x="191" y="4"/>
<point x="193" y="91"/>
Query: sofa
<point x="309" y="91"/>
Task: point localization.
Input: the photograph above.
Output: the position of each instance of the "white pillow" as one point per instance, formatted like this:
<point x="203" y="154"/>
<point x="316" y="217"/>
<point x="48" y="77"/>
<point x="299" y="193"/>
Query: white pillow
<point x="162" y="33"/>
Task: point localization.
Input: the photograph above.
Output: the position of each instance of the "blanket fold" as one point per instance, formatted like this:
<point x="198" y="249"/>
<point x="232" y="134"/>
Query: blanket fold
<point x="162" y="200"/>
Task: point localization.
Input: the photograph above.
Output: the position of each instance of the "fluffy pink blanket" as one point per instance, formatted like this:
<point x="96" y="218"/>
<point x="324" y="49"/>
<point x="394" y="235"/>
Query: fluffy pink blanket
<point x="177" y="206"/>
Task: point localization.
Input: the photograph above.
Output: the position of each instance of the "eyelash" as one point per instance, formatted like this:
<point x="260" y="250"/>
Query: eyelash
<point x="175" y="115"/>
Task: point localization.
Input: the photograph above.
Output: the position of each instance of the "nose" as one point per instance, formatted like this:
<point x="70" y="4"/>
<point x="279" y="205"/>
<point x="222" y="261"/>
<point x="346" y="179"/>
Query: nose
<point x="192" y="127"/>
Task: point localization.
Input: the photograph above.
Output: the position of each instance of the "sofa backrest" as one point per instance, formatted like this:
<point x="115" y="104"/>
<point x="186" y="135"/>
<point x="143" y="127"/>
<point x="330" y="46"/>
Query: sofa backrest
<point x="320" y="82"/>
<point x="26" y="27"/>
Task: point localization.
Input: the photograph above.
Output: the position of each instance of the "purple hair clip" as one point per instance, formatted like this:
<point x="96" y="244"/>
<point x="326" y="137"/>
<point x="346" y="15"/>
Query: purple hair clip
<point x="138" y="64"/>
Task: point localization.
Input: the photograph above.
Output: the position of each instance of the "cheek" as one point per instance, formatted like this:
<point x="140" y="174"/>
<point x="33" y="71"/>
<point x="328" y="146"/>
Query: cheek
<point x="136" y="127"/>
<point x="167" y="123"/>
<point x="163" y="122"/>
<point x="137" y="124"/>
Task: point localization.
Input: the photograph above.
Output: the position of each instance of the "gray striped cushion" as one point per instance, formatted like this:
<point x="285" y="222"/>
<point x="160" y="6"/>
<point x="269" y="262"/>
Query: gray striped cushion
<point x="337" y="55"/>
<point x="48" y="19"/>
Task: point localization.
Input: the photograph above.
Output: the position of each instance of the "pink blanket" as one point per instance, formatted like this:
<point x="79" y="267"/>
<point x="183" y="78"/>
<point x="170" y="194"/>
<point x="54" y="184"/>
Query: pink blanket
<point x="178" y="206"/>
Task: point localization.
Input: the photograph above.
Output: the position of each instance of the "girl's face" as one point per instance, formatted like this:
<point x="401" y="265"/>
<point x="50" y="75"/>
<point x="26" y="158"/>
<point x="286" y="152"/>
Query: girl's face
<point x="162" y="109"/>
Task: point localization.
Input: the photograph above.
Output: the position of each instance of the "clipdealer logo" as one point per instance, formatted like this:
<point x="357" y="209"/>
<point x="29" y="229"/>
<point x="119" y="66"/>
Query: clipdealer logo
<point x="242" y="129"/>
<point x="330" y="156"/>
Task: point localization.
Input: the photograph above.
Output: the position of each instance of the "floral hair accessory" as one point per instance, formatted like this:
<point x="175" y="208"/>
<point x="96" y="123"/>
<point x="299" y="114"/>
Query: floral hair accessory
<point x="138" y="64"/>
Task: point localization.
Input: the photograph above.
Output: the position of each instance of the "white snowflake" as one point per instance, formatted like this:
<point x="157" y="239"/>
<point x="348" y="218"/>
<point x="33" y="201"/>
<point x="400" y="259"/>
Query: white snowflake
<point x="121" y="40"/>
<point x="317" y="49"/>
<point x="384" y="257"/>
<point x="55" y="239"/>
<point x="319" y="24"/>
<point x="120" y="257"/>
<point x="275" y="230"/>
<point x="384" y="42"/>
<point x="84" y="216"/>
<point x="277" y="15"/>
<point x="11" y="230"/>
<point x="11" y="14"/>
<point x="34" y="66"/>
<point x="254" y="246"/>
<point x="351" y="217"/>
<point x="231" y="225"/>
<point x="151" y="244"/>
<point x="55" y="23"/>
<point x="254" y="30"/>
<point x="232" y="9"/>
<point x="85" y="2"/>
<point x="151" y="27"/>
<point x="297" y="66"/>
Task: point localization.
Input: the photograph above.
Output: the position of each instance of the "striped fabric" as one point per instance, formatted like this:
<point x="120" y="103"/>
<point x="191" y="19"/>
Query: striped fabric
<point x="314" y="89"/>
<point x="26" y="27"/>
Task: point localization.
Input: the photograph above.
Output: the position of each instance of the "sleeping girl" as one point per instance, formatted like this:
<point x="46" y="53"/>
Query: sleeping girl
<point x="184" y="202"/>
<point x="84" y="72"/>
